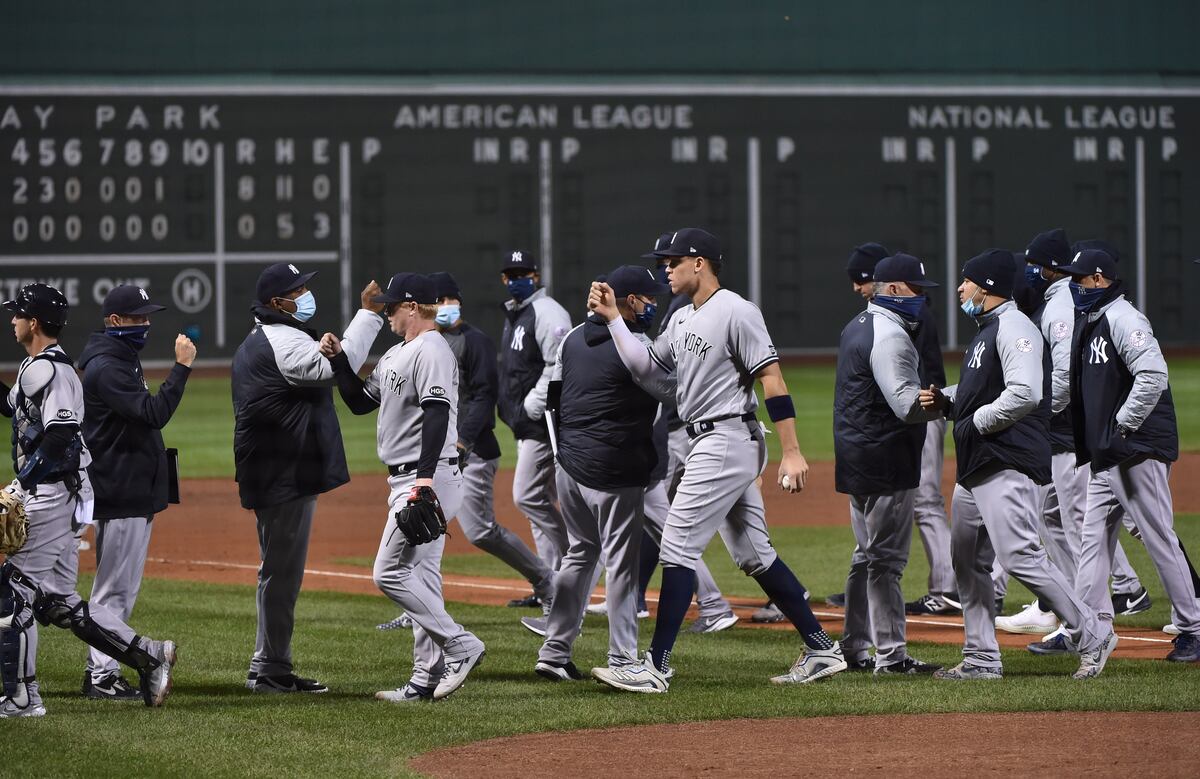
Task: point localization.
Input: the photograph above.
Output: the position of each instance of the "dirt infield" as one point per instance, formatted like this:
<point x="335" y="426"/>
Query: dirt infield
<point x="210" y="538"/>
<point x="1100" y="744"/>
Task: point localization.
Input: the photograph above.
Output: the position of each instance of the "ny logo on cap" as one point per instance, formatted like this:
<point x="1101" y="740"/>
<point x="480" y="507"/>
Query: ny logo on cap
<point x="922" y="267"/>
<point x="516" y="257"/>
<point x="1077" y="256"/>
<point x="293" y="269"/>
<point x="142" y="292"/>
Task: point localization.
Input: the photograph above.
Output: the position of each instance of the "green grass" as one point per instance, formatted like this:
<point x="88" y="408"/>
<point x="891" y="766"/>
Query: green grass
<point x="203" y="427"/>
<point x="212" y="726"/>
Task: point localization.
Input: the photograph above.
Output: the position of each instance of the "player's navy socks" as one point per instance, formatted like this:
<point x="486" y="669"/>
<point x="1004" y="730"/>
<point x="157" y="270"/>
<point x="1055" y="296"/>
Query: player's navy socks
<point x="647" y="563"/>
<point x="678" y="585"/>
<point x="786" y="592"/>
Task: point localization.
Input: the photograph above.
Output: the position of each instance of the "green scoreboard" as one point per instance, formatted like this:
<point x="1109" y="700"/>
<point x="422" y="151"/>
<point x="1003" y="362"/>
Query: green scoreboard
<point x="190" y="190"/>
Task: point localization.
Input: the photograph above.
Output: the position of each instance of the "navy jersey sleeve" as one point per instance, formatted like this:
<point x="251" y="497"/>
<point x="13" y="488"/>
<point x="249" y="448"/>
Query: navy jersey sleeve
<point x="929" y="349"/>
<point x="480" y="411"/>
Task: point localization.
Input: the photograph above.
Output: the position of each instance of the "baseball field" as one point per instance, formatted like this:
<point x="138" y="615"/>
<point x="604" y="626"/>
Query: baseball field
<point x="721" y="714"/>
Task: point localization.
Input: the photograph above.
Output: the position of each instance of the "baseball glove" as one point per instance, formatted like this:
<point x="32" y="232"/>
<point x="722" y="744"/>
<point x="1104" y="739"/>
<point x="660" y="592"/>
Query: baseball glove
<point x="421" y="519"/>
<point x="14" y="524"/>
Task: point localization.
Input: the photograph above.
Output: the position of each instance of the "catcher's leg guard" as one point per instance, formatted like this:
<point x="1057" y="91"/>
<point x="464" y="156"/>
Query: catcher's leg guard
<point x="15" y="619"/>
<point x="55" y="610"/>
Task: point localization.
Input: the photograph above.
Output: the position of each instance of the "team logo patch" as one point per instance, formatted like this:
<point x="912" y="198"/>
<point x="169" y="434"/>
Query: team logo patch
<point x="1024" y="345"/>
<point x="1060" y="330"/>
<point x="437" y="392"/>
<point x="1138" y="338"/>
<point x="559" y="332"/>
<point x="65" y="414"/>
<point x="772" y="351"/>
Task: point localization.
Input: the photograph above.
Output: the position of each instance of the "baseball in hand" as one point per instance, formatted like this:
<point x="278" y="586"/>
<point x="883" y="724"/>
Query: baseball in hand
<point x="786" y="482"/>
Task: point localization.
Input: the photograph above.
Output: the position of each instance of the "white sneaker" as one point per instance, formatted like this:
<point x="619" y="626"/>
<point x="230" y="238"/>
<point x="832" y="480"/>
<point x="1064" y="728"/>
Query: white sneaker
<point x="156" y="685"/>
<point x="405" y="694"/>
<point x="456" y="674"/>
<point x="599" y="609"/>
<point x="1171" y="629"/>
<point x="639" y="677"/>
<point x="10" y="710"/>
<point x="1092" y="663"/>
<point x="1030" y="620"/>
<point x="814" y="664"/>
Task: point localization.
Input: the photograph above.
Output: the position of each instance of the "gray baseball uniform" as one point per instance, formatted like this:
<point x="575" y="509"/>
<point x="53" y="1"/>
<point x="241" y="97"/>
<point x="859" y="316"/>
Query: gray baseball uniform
<point x="43" y="574"/>
<point x="995" y="503"/>
<point x="1138" y="480"/>
<point x="929" y="510"/>
<point x="416" y="372"/>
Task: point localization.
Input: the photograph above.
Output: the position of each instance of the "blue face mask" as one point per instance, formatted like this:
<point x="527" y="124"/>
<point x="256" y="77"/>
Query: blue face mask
<point x="134" y="335"/>
<point x="908" y="308"/>
<point x="306" y="307"/>
<point x="521" y="288"/>
<point x="448" y="314"/>
<point x="661" y="275"/>
<point x="971" y="308"/>
<point x="646" y="317"/>
<point x="1085" y="298"/>
<point x="1033" y="277"/>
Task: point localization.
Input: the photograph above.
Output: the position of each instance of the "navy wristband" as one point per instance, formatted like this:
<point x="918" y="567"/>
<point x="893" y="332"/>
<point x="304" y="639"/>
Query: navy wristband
<point x="780" y="407"/>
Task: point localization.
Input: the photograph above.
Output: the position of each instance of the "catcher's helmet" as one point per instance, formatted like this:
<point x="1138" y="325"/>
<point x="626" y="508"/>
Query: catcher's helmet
<point x="41" y="302"/>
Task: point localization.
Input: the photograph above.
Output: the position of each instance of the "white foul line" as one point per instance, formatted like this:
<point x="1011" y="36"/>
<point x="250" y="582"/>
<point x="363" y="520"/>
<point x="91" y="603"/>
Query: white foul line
<point x="523" y="587"/>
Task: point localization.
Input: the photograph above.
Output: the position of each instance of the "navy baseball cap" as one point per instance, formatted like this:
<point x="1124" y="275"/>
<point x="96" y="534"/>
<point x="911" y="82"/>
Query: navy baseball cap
<point x="660" y="244"/>
<point x="1091" y="261"/>
<point x="692" y="242"/>
<point x="905" y="268"/>
<point x="128" y="300"/>
<point x="992" y="270"/>
<point x="445" y="286"/>
<point x="1096" y="243"/>
<point x="279" y="279"/>
<point x="520" y="259"/>
<point x="408" y="288"/>
<point x="636" y="280"/>
<point x="1049" y="249"/>
<point x="863" y="259"/>
<point x="41" y="302"/>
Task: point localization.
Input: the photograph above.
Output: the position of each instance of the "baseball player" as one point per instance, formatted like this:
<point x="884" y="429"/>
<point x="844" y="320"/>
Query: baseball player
<point x="534" y="326"/>
<point x="1066" y="497"/>
<point x="878" y="434"/>
<point x="929" y="506"/>
<point x="717" y="346"/>
<point x="606" y="454"/>
<point x="477" y="445"/>
<point x="287" y="448"/>
<point x="131" y="479"/>
<point x="1001" y="409"/>
<point x="415" y="387"/>
<point x="1124" y="426"/>
<point x="38" y="581"/>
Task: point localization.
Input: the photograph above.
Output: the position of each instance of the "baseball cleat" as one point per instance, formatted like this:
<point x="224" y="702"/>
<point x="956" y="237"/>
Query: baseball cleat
<point x="1171" y="629"/>
<point x="768" y="614"/>
<point x="1187" y="649"/>
<point x="714" y="624"/>
<point x="286" y="683"/>
<point x="536" y="625"/>
<point x="1031" y="620"/>
<point x="859" y="666"/>
<point x="456" y="674"/>
<point x="1092" y="663"/>
<point x="643" y="611"/>
<point x="637" y="677"/>
<point x="1057" y="643"/>
<point x="112" y="687"/>
<point x="401" y="622"/>
<point x="1128" y="604"/>
<point x="953" y="600"/>
<point x="558" y="672"/>
<point x="931" y="604"/>
<point x="156" y="684"/>
<point x="530" y="601"/>
<point x="10" y="710"/>
<point x="968" y="672"/>
<point x="598" y="609"/>
<point x="813" y="665"/>
<point x="837" y="599"/>
<point x="909" y="666"/>
<point x="409" y="693"/>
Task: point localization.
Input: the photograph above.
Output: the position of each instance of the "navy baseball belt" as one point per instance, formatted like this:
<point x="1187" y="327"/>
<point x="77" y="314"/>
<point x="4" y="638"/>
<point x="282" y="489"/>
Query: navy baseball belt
<point x="695" y="429"/>
<point x="407" y="468"/>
